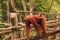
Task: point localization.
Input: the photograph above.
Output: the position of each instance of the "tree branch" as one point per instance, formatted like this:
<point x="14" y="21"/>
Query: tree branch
<point x="24" y="5"/>
<point x="13" y="5"/>
<point x="31" y="7"/>
<point x="50" y="6"/>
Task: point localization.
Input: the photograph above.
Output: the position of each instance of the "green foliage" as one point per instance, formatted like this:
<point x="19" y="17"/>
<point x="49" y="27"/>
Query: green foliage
<point x="50" y="16"/>
<point x="10" y="8"/>
<point x="19" y="4"/>
<point x="39" y="5"/>
<point x="4" y="17"/>
<point x="33" y="33"/>
<point x="2" y="26"/>
<point x="58" y="1"/>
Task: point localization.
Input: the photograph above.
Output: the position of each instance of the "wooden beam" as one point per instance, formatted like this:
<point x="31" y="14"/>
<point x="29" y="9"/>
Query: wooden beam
<point x="21" y="25"/>
<point x="50" y="21"/>
<point x="3" y="32"/>
<point x="49" y="33"/>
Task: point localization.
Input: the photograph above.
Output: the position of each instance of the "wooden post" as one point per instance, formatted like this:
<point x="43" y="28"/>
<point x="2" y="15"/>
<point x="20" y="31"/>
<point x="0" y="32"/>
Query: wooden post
<point x="14" y="23"/>
<point x="58" y="20"/>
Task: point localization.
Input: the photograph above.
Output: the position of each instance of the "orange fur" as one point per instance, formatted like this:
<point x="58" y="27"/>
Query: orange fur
<point x="33" y="19"/>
